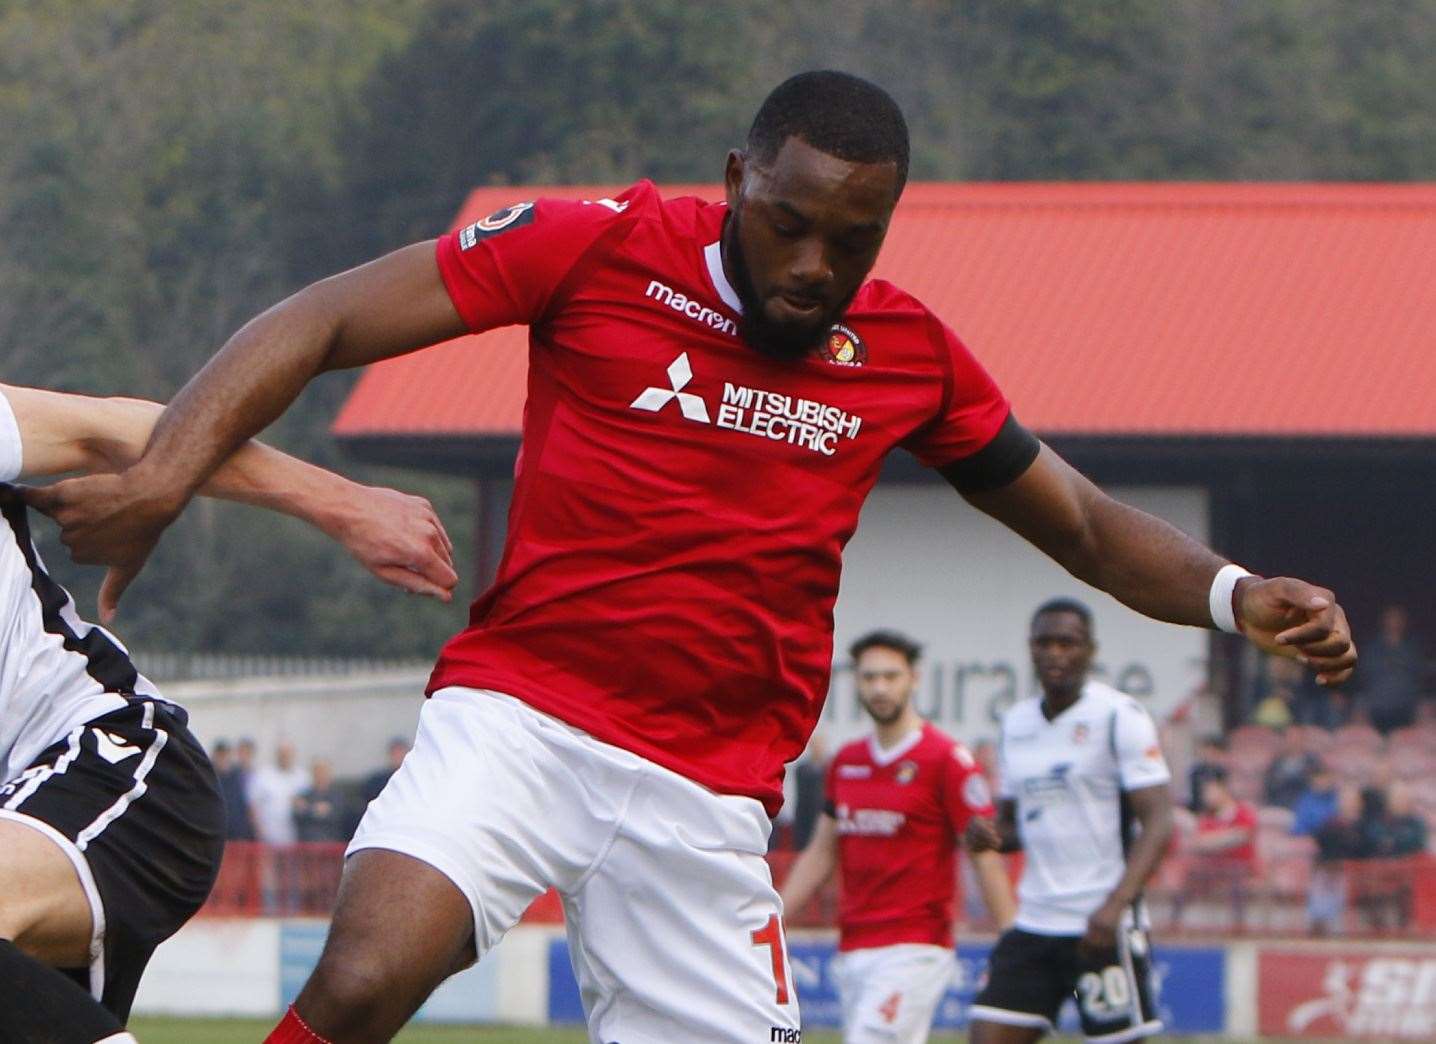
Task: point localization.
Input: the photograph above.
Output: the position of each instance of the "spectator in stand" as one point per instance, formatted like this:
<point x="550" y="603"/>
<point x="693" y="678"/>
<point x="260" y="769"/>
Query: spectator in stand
<point x="319" y="810"/>
<point x="1400" y="830"/>
<point x="1290" y="772"/>
<point x="321" y="815"/>
<point x="1226" y="829"/>
<point x="1224" y="855"/>
<point x="1211" y="763"/>
<point x="1277" y="710"/>
<point x="1393" y="673"/>
<point x="1340" y="838"/>
<point x="238" y="826"/>
<point x="375" y="781"/>
<point x="271" y="797"/>
<point x="1310" y="703"/>
<point x="244" y="761"/>
<point x="271" y="801"/>
<point x="1317" y="805"/>
<point x="1344" y="835"/>
<point x="1379" y="777"/>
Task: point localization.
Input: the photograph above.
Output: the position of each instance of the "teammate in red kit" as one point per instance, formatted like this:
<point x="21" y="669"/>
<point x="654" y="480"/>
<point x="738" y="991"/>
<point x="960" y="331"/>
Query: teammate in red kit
<point x="899" y="801"/>
<point x="712" y="390"/>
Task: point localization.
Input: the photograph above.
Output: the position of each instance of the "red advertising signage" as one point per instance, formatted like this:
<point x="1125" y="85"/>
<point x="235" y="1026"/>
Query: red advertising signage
<point x="1352" y="994"/>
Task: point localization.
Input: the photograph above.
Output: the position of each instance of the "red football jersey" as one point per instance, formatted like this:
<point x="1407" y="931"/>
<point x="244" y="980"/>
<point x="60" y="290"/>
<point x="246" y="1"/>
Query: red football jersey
<point x="681" y="501"/>
<point x="1243" y="816"/>
<point x="901" y="813"/>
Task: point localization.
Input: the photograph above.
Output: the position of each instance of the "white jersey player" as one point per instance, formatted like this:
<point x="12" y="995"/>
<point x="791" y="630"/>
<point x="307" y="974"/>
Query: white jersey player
<point x="1078" y="766"/>
<point x="111" y="827"/>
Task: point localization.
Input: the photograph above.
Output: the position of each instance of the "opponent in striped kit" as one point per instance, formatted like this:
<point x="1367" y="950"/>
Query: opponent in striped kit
<point x="111" y="827"/>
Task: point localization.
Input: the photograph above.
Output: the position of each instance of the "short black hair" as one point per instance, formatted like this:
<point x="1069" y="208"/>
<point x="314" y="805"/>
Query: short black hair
<point x="1066" y="605"/>
<point x="221" y="746"/>
<point x="834" y="112"/>
<point x="894" y="640"/>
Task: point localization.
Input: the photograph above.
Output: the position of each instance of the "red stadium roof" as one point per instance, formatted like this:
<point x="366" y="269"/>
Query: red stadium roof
<point x="1230" y="310"/>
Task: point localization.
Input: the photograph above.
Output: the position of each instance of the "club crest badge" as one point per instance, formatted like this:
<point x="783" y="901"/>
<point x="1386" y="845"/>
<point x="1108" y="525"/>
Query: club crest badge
<point x="843" y="347"/>
<point x="906" y="772"/>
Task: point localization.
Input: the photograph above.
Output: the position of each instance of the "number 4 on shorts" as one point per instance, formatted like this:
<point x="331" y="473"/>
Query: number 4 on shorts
<point x="771" y="936"/>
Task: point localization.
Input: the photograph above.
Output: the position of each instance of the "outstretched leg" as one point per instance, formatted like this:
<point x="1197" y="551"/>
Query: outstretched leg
<point x="40" y="1005"/>
<point x="400" y="928"/>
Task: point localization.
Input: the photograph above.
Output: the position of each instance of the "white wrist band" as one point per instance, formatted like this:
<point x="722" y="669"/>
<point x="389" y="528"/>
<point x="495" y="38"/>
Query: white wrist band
<point x="1219" y="600"/>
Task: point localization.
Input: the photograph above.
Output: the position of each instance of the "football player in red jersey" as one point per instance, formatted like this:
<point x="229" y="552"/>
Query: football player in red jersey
<point x="696" y="450"/>
<point x="898" y="803"/>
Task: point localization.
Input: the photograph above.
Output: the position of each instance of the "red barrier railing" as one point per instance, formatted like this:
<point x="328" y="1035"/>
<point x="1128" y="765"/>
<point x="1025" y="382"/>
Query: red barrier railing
<point x="1291" y="895"/>
<point x="258" y="880"/>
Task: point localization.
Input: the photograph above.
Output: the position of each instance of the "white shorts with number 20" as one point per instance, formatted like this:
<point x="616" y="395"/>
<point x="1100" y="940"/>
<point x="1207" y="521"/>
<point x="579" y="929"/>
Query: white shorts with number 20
<point x="674" y="927"/>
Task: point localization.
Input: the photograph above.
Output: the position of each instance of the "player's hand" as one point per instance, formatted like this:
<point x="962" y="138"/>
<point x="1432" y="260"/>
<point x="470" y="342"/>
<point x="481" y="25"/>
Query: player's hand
<point x="1100" y="939"/>
<point x="981" y="835"/>
<point x="1300" y="620"/>
<point x="112" y="520"/>
<point x="398" y="538"/>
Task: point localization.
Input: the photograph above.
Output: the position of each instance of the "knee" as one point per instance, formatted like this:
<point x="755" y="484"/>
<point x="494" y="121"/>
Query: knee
<point x="346" y="989"/>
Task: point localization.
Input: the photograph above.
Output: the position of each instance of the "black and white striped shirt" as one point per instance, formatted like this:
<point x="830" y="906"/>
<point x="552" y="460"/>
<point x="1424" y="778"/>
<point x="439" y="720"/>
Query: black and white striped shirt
<point x="56" y="671"/>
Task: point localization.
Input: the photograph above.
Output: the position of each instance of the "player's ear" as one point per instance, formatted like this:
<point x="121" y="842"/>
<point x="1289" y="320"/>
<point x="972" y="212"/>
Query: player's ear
<point x="733" y="176"/>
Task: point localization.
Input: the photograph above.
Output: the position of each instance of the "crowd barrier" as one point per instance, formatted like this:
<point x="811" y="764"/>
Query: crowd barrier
<point x="1191" y="898"/>
<point x="1369" y="991"/>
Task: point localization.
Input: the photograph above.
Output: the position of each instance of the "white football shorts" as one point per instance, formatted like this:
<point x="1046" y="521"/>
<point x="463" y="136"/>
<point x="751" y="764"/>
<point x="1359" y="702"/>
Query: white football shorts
<point x="674" y="926"/>
<point x="889" y="994"/>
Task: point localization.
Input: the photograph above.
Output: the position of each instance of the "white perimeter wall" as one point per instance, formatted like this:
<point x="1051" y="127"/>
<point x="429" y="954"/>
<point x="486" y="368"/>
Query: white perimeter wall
<point x="926" y="563"/>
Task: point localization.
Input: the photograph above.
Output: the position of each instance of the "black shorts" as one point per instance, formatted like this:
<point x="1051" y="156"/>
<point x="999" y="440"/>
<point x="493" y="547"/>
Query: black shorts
<point x="131" y="798"/>
<point x="1030" y="975"/>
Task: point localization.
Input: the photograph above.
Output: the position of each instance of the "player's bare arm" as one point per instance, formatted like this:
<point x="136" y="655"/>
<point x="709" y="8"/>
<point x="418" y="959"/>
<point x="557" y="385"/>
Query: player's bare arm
<point x="1156" y="569"/>
<point x="391" y="306"/>
<point x="1152" y="808"/>
<point x="994" y="835"/>
<point x="995" y="886"/>
<point x="396" y="536"/>
<point x="813" y="867"/>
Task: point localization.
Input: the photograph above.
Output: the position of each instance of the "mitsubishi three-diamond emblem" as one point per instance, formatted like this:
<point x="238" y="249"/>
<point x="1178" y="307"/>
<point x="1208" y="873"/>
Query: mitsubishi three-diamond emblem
<point x="679" y="374"/>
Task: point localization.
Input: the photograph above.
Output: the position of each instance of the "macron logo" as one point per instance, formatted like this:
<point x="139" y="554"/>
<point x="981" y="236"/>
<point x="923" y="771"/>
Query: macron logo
<point x="679" y="374"/>
<point x="692" y="309"/>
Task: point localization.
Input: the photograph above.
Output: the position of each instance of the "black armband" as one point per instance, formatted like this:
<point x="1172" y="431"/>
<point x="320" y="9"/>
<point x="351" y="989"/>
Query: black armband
<point x="1001" y="462"/>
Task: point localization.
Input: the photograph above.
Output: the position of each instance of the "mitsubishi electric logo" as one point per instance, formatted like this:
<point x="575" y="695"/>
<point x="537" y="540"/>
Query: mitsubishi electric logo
<point x="679" y="374"/>
<point x="775" y="416"/>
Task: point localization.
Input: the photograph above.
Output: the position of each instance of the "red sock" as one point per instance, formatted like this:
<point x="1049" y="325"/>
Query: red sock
<point x="293" y="1030"/>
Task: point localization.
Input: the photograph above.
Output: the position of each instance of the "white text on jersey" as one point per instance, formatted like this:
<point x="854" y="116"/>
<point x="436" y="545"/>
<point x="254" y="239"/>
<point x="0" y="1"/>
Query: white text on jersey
<point x="782" y="418"/>
<point x="871" y="822"/>
<point x="692" y="309"/>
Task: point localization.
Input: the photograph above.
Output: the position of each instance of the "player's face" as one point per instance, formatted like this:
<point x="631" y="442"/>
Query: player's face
<point x="803" y="233"/>
<point x="885" y="683"/>
<point x="1062" y="651"/>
